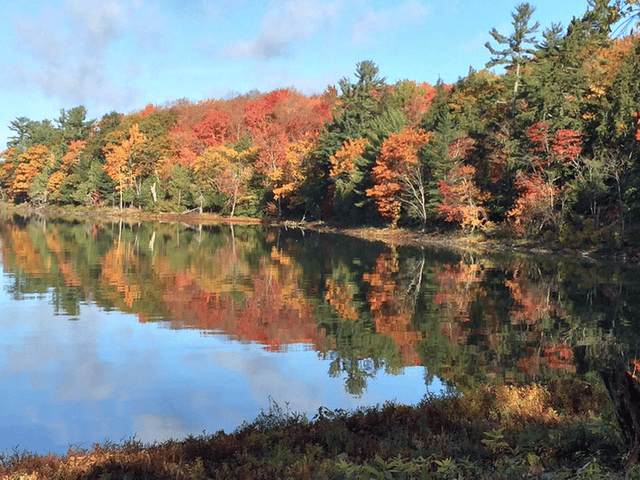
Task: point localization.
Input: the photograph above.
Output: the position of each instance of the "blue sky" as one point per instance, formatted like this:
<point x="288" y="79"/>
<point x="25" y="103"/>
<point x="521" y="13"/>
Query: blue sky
<point x="123" y="54"/>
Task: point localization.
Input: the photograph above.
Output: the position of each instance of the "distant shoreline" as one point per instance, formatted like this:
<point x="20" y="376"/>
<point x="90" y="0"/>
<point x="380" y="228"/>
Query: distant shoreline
<point x="477" y="242"/>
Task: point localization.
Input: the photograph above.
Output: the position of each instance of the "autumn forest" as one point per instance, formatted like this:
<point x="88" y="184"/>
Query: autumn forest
<point x="547" y="149"/>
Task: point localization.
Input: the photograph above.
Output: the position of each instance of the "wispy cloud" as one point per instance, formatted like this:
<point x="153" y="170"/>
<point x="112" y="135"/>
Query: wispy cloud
<point x="71" y="61"/>
<point x="214" y="9"/>
<point x="372" y="23"/>
<point x="288" y="22"/>
<point x="285" y="23"/>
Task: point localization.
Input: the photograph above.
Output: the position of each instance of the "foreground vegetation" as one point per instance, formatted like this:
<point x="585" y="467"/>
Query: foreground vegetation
<point x="562" y="430"/>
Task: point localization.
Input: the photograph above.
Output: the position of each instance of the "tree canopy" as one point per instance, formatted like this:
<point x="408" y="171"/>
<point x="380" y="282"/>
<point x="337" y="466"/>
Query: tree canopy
<point x="546" y="147"/>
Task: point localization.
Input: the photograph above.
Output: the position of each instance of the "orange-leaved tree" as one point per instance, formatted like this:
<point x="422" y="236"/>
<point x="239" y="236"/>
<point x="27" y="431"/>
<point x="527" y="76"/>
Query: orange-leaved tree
<point x="462" y="201"/>
<point x="277" y="119"/>
<point x="121" y="158"/>
<point x="267" y="130"/>
<point x="535" y="207"/>
<point x="344" y="171"/>
<point x="31" y="164"/>
<point x="67" y="164"/>
<point x="7" y="170"/>
<point x="343" y="163"/>
<point x="549" y="148"/>
<point x="566" y="145"/>
<point x="398" y="176"/>
<point x="212" y="130"/>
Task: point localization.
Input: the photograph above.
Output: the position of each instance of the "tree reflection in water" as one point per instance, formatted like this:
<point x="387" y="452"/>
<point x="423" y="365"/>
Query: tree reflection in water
<point x="366" y="307"/>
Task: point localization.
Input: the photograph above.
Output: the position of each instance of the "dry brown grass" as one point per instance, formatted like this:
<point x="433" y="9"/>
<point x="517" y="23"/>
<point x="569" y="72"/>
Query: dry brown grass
<point x="481" y="429"/>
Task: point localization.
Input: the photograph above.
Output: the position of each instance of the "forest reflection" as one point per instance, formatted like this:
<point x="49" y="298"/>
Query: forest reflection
<point x="365" y="306"/>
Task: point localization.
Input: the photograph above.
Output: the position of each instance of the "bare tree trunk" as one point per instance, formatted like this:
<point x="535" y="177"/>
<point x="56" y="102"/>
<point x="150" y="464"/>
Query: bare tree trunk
<point x="235" y="198"/>
<point x="515" y="89"/>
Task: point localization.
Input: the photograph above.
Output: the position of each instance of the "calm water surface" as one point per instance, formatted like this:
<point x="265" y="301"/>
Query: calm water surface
<point x="104" y="338"/>
<point x="157" y="331"/>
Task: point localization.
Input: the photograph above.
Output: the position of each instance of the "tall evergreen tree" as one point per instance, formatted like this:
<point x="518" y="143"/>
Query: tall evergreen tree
<point x="516" y="53"/>
<point x="435" y="155"/>
<point x="552" y="36"/>
<point x="563" y="74"/>
<point x="29" y="133"/>
<point x="73" y="124"/>
<point x="358" y="107"/>
<point x="617" y="140"/>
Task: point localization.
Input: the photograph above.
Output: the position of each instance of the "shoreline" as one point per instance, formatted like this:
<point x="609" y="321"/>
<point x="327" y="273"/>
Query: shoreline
<point x="477" y="242"/>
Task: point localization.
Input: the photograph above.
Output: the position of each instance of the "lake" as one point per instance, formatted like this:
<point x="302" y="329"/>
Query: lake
<point x="113" y="331"/>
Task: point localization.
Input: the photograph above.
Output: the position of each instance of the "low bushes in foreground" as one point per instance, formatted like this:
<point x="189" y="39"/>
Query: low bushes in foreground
<point x="562" y="430"/>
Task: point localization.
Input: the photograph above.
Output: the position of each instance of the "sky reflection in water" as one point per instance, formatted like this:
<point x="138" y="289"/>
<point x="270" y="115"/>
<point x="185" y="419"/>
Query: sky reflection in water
<point x="106" y="376"/>
<point x="108" y="330"/>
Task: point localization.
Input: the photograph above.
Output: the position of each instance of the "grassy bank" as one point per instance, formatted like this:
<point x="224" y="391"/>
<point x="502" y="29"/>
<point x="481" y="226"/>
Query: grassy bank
<point x="102" y="213"/>
<point x="559" y="431"/>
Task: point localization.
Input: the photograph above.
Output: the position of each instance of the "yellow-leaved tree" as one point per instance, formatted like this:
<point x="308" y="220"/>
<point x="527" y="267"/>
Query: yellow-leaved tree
<point x="343" y="163"/>
<point x="122" y="160"/>
<point x="31" y="164"/>
<point x="289" y="176"/>
<point x="227" y="172"/>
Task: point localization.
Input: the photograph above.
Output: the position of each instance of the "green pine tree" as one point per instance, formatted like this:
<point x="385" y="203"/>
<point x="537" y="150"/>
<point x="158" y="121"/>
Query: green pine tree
<point x="516" y="53"/>
<point x="359" y="107"/>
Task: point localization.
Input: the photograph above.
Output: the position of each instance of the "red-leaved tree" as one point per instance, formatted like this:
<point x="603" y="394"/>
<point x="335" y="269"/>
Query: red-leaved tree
<point x="398" y="177"/>
<point x="535" y="207"/>
<point x="462" y="201"/>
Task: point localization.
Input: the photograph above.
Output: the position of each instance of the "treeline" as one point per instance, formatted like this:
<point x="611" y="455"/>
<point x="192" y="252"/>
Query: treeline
<point x="549" y="148"/>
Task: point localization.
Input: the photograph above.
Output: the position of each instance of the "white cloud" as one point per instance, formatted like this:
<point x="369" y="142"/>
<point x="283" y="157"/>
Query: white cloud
<point x="71" y="61"/>
<point x="151" y="428"/>
<point x="370" y="24"/>
<point x="285" y="23"/>
<point x="101" y="23"/>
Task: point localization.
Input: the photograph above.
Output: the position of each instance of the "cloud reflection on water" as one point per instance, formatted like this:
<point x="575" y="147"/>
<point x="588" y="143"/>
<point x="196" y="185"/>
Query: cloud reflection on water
<point x="109" y="377"/>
